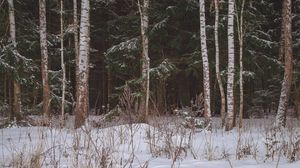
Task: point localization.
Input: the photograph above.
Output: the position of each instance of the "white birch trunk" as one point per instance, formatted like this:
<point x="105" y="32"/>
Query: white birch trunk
<point x="44" y="60"/>
<point x="17" y="87"/>
<point x="218" y="75"/>
<point x="206" y="85"/>
<point x="241" y="45"/>
<point x="230" y="73"/>
<point x="145" y="55"/>
<point x="12" y="23"/>
<point x="288" y="67"/>
<point x="81" y="108"/>
<point x="62" y="61"/>
<point x="76" y="44"/>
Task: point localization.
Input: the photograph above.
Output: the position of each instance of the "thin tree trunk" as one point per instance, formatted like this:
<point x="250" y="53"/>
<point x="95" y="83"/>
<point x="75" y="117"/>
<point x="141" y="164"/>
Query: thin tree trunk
<point x="5" y="89"/>
<point x="34" y="100"/>
<point x="17" y="86"/>
<point x="230" y="75"/>
<point x="297" y="102"/>
<point x="281" y="47"/>
<point x="63" y="68"/>
<point x="44" y="54"/>
<point x="17" y="100"/>
<point x="108" y="84"/>
<point x="220" y="83"/>
<point x="76" y="43"/>
<point x="288" y="67"/>
<point x="82" y="89"/>
<point x="10" y="101"/>
<point x="12" y="23"/>
<point x="241" y="43"/>
<point x="206" y="85"/>
<point x="145" y="56"/>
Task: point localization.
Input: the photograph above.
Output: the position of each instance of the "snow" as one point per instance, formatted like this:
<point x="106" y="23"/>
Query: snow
<point x="129" y="146"/>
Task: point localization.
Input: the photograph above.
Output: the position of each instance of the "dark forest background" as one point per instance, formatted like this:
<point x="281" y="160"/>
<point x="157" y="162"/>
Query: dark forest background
<point x="176" y="67"/>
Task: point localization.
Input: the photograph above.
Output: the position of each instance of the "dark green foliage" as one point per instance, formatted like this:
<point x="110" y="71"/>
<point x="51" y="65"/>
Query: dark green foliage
<point x="176" y="67"/>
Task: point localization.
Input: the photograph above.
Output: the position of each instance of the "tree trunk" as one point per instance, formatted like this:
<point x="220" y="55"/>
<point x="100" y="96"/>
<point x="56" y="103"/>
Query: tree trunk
<point x="220" y="83"/>
<point x="145" y="57"/>
<point x="63" y="68"/>
<point x="109" y="80"/>
<point x="17" y="100"/>
<point x="44" y="54"/>
<point x="82" y="89"/>
<point x="10" y="101"/>
<point x="206" y="85"/>
<point x="5" y="89"/>
<point x="288" y="67"/>
<point x="17" y="86"/>
<point x="230" y="73"/>
<point x="297" y="102"/>
<point x="281" y="42"/>
<point x="241" y="43"/>
<point x="76" y="43"/>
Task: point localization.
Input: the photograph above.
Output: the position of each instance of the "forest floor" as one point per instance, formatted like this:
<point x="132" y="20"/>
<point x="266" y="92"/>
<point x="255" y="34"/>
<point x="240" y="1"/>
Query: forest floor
<point x="163" y="143"/>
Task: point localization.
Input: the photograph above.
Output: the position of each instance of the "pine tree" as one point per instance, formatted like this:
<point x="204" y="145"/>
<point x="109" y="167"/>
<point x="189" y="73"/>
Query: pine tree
<point x="17" y="87"/>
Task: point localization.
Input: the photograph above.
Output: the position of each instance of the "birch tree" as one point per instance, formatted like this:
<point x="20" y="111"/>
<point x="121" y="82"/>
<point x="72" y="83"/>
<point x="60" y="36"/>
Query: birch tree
<point x="62" y="60"/>
<point x="143" y="10"/>
<point x="288" y="65"/>
<point x="230" y="71"/>
<point x="17" y="87"/>
<point x="241" y="45"/>
<point x="44" y="60"/>
<point x="206" y="85"/>
<point x="75" y="24"/>
<point x="218" y="75"/>
<point x="82" y="89"/>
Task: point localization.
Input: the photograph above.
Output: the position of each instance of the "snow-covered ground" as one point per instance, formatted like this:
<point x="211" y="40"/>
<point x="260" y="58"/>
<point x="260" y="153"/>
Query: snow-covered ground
<point x="163" y="144"/>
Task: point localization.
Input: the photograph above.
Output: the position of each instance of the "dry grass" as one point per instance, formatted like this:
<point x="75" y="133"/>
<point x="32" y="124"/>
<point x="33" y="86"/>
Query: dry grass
<point x="165" y="137"/>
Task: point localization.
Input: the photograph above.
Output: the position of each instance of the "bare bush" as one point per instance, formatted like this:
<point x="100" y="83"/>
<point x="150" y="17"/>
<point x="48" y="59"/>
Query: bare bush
<point x="246" y="146"/>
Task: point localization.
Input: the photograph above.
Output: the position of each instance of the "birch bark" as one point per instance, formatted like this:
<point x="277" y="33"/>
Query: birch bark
<point x="288" y="67"/>
<point x="82" y="101"/>
<point x="230" y="72"/>
<point x="62" y="61"/>
<point x="206" y="85"/>
<point x="241" y="45"/>
<point x="44" y="60"/>
<point x="76" y="43"/>
<point x="145" y="56"/>
<point x="220" y="83"/>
